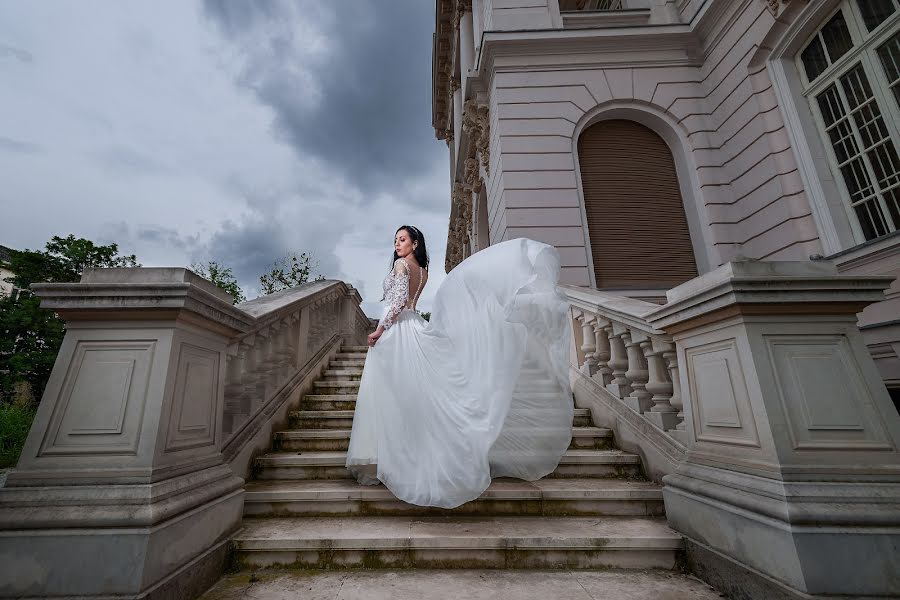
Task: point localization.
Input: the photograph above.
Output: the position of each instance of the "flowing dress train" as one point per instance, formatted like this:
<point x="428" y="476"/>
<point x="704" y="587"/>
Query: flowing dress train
<point x="481" y="391"/>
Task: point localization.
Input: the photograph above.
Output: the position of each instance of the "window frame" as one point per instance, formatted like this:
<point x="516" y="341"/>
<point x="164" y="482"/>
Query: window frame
<point x="864" y="53"/>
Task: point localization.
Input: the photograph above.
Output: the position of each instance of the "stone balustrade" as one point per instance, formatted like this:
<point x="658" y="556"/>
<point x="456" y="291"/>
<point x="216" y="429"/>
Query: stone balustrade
<point x="130" y="483"/>
<point x="751" y="395"/>
<point x="292" y="328"/>
<point x="634" y="361"/>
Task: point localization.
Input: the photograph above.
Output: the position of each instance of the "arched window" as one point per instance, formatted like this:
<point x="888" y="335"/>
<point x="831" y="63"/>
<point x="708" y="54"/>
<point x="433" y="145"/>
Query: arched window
<point x="851" y="77"/>
<point x="638" y="231"/>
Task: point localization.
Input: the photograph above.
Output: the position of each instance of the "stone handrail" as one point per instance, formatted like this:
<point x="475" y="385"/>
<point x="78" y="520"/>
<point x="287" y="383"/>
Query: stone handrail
<point x="291" y="330"/>
<point x="626" y="355"/>
<point x="160" y="396"/>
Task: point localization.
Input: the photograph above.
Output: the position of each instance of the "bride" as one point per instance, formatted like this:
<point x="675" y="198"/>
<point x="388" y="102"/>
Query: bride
<point x="480" y="391"/>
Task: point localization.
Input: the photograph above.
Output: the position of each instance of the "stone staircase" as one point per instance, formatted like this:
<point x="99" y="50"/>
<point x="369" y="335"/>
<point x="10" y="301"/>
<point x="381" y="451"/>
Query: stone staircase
<point x="303" y="508"/>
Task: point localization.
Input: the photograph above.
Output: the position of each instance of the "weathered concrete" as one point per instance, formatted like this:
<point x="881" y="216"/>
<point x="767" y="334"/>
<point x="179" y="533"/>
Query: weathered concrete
<point x="793" y="462"/>
<point x="468" y="584"/>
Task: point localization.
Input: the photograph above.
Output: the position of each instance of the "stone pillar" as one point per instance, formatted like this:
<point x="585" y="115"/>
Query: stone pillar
<point x="791" y="484"/>
<point x="121" y="490"/>
<point x="618" y="361"/>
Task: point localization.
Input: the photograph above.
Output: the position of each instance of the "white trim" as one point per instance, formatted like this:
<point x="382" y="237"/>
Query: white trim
<point x="825" y="199"/>
<point x="826" y="191"/>
<point x="685" y="169"/>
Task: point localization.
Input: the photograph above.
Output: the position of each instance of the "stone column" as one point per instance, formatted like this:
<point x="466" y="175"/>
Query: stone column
<point x="618" y="361"/>
<point x="121" y="489"/>
<point x="587" y="344"/>
<point x="601" y="352"/>
<point x="791" y="483"/>
<point x="637" y="373"/>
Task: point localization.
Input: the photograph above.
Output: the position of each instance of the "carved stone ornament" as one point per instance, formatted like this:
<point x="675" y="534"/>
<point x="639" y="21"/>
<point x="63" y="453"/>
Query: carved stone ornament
<point x="476" y="124"/>
<point x="470" y="175"/>
<point x="775" y="6"/>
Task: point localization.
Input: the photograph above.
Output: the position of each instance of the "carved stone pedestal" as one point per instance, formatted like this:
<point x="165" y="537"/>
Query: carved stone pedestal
<point x="121" y="490"/>
<point x="792" y="476"/>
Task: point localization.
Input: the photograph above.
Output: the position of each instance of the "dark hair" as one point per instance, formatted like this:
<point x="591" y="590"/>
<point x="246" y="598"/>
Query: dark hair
<point x="418" y="238"/>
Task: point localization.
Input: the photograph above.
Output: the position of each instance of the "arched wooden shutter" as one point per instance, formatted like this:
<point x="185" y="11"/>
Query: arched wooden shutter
<point x="639" y="233"/>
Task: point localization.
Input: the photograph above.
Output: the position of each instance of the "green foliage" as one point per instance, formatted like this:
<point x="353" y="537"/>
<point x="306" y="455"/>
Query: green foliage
<point x="290" y="271"/>
<point x="222" y="277"/>
<point x="30" y="336"/>
<point x="64" y="260"/>
<point x="425" y="315"/>
<point x="15" y="421"/>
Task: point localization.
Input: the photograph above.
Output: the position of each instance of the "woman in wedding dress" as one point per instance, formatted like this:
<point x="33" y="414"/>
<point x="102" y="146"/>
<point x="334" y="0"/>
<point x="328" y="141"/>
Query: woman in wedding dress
<point x="480" y="391"/>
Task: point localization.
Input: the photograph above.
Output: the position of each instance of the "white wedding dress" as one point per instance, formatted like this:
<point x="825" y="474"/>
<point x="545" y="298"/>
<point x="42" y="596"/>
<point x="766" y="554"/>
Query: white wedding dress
<point x="481" y="391"/>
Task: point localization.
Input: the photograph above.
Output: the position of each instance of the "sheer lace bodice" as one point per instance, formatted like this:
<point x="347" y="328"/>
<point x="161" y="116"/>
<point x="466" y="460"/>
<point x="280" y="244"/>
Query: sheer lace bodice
<point x="402" y="288"/>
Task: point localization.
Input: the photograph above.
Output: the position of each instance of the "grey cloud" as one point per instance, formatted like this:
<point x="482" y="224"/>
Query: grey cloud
<point x="129" y="161"/>
<point x="11" y="145"/>
<point x="374" y="120"/>
<point x="249" y="247"/>
<point x="11" y="51"/>
<point x="165" y="236"/>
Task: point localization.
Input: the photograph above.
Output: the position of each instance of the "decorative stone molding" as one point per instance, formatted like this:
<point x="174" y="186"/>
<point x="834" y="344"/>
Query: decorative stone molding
<point x="471" y="175"/>
<point x="476" y="124"/>
<point x="775" y="6"/>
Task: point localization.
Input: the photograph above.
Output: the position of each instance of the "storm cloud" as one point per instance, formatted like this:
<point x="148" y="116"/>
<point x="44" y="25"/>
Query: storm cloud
<point x="226" y="130"/>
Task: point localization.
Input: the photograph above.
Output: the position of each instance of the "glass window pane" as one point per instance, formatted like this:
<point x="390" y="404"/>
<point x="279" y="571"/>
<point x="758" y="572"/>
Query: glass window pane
<point x="886" y="164"/>
<point x="874" y="12"/>
<point x="843" y="142"/>
<point x="889" y="53"/>
<point x="814" y="60"/>
<point x="857" y="180"/>
<point x="837" y="37"/>
<point x="871" y="220"/>
<point x="892" y="199"/>
<point x="856" y="87"/>
<point x="830" y="105"/>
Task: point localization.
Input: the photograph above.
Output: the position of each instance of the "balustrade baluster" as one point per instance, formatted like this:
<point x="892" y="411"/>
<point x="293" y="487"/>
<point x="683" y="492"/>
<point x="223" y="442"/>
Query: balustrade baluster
<point x="662" y="413"/>
<point x="618" y="360"/>
<point x="601" y="352"/>
<point x="680" y="430"/>
<point x="637" y="373"/>
<point x="587" y="344"/>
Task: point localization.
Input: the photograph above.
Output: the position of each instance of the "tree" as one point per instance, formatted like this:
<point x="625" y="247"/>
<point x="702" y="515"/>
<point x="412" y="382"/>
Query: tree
<point x="289" y="271"/>
<point x="29" y="335"/>
<point x="222" y="277"/>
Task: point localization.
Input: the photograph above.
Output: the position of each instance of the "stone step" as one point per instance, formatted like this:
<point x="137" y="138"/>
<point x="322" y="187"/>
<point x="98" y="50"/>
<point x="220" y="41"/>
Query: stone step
<point x="524" y="542"/>
<point x="349" y="356"/>
<point x="347" y="364"/>
<point x="547" y="497"/>
<point x="322" y="419"/>
<point x="314" y="464"/>
<point x="339" y="439"/>
<point x="338" y="386"/>
<point x="342" y="374"/>
<point x="362" y="349"/>
<point x="329" y="402"/>
<point x="343" y="419"/>
<point x="474" y="584"/>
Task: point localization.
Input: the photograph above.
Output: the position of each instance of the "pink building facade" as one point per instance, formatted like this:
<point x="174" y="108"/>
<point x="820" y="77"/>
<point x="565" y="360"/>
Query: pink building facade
<point x="781" y="118"/>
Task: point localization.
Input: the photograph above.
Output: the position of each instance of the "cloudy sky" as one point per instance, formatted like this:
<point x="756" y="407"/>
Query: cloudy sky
<point x="232" y="130"/>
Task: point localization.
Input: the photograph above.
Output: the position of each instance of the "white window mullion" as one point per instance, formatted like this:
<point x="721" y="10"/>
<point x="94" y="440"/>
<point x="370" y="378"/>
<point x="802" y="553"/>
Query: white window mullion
<point x="872" y="198"/>
<point x="863" y="141"/>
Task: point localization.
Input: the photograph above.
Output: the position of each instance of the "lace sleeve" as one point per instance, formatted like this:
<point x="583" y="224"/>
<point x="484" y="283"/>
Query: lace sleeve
<point x="397" y="294"/>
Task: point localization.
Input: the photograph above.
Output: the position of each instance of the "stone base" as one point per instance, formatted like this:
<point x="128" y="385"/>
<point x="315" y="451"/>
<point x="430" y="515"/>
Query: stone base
<point x="639" y="405"/>
<point x="664" y="420"/>
<point x="834" y="539"/>
<point x="177" y="557"/>
<point x="739" y="582"/>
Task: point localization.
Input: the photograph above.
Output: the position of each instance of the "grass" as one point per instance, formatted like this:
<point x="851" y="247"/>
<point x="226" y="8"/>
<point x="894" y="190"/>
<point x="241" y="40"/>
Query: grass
<point x="15" y="421"/>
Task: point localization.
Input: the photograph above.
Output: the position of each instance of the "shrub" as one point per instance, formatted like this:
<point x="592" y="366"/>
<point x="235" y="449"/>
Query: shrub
<point x="15" y="421"/>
